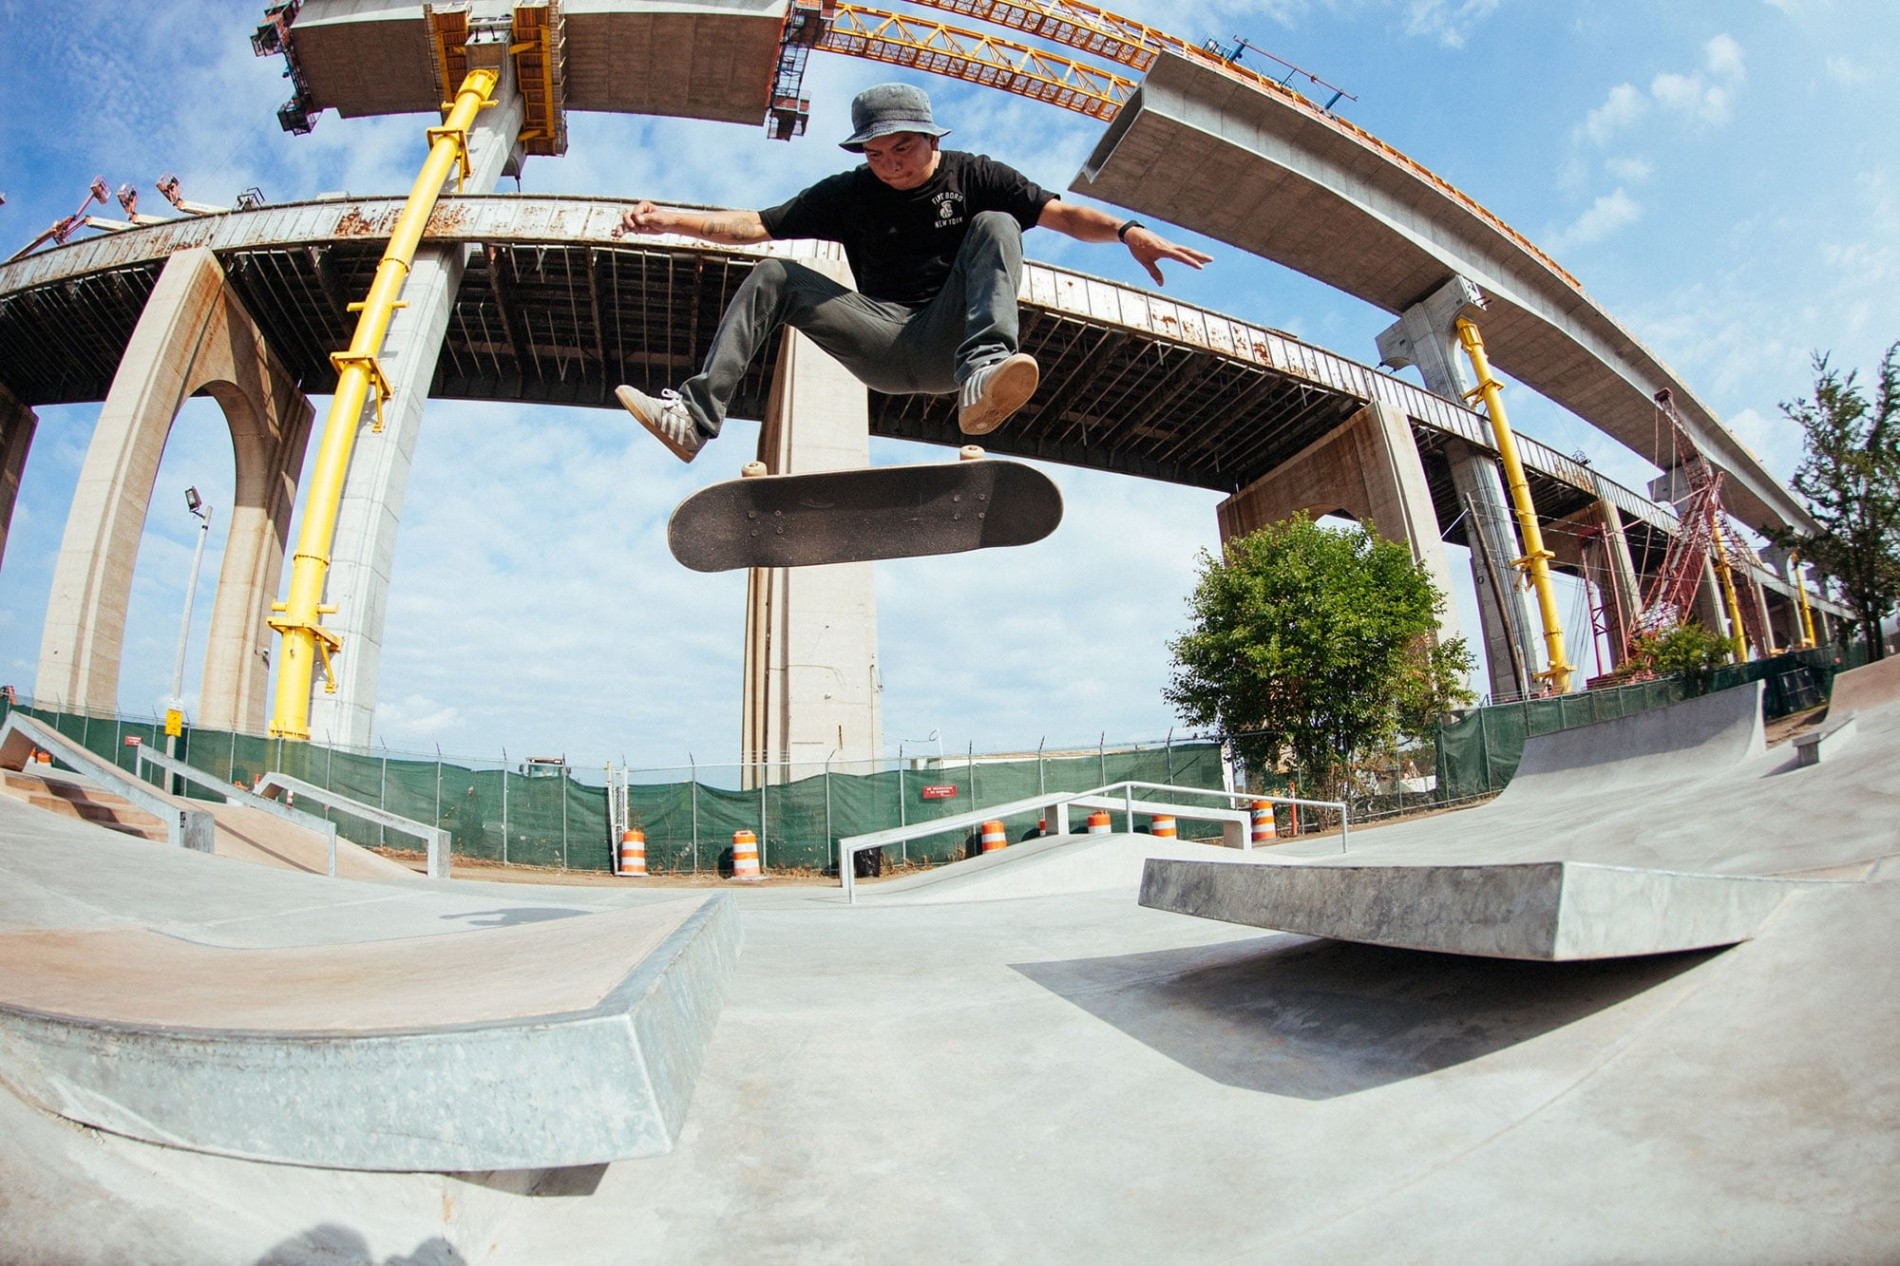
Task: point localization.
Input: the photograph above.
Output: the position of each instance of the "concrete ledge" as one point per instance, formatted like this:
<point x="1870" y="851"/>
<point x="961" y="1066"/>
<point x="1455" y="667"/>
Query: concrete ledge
<point x="607" y="1083"/>
<point x="1544" y="911"/>
<point x="1812" y="749"/>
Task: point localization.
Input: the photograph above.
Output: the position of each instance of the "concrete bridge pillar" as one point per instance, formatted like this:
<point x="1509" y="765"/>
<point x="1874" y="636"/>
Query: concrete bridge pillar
<point x="17" y="424"/>
<point x="1426" y="335"/>
<point x="811" y="676"/>
<point x="194" y="335"/>
<point x="363" y="554"/>
<point x="1370" y="469"/>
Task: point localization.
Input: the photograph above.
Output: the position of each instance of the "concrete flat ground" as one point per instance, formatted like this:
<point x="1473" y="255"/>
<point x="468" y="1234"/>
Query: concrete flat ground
<point x="1058" y="1074"/>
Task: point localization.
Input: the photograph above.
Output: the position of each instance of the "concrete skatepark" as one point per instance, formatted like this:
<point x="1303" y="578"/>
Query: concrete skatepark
<point x="1640" y="1007"/>
<point x="1016" y="1056"/>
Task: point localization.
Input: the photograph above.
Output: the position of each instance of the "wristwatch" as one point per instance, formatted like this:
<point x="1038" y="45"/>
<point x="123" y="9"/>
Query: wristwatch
<point x="1121" y="230"/>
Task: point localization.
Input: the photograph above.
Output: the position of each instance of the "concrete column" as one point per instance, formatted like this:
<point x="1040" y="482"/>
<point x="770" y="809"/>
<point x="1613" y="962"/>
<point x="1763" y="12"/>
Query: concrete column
<point x="193" y="335"/>
<point x="1709" y="609"/>
<point x="811" y="675"/>
<point x="1368" y="468"/>
<point x="1511" y="646"/>
<point x="1775" y="641"/>
<point x="17" y="424"/>
<point x="364" y="552"/>
<point x="1426" y="335"/>
<point x="1622" y="594"/>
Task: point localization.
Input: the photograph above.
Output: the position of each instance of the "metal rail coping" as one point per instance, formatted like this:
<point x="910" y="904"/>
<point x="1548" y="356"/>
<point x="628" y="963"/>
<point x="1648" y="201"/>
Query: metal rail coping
<point x="185" y="827"/>
<point x="234" y="794"/>
<point x="1119" y="795"/>
<point x="436" y="839"/>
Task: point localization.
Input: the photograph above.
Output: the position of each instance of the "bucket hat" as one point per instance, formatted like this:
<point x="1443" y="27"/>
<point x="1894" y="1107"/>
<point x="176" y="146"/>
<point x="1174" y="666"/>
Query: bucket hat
<point x="887" y="108"/>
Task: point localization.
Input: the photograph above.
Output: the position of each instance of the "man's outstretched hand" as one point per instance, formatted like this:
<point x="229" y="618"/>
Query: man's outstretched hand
<point x="1149" y="248"/>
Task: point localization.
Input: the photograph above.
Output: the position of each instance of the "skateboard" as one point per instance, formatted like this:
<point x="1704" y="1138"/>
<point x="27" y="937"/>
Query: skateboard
<point x="856" y="516"/>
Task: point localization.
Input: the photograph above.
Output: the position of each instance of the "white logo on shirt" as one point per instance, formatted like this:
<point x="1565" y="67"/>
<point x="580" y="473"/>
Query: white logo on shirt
<point x="948" y="211"/>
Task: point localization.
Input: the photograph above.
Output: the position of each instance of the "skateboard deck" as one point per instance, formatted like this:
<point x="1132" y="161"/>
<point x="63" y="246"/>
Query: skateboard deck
<point x="856" y="516"/>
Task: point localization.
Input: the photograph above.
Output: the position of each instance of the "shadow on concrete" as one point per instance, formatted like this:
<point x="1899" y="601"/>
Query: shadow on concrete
<point x="510" y="915"/>
<point x="333" y="1245"/>
<point x="543" y="1184"/>
<point x="1315" y="1019"/>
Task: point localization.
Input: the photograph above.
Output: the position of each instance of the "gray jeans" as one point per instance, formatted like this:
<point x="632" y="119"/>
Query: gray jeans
<point x="889" y="347"/>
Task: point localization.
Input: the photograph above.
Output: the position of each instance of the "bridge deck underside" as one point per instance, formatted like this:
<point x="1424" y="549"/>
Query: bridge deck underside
<point x="553" y="324"/>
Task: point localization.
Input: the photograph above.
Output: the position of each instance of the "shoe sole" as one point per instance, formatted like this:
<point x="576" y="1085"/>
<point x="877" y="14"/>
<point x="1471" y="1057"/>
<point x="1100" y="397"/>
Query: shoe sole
<point x="631" y="404"/>
<point x="1009" y="390"/>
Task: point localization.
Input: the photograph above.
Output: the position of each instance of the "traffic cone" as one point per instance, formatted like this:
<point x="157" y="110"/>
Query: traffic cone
<point x="633" y="854"/>
<point x="1264" y="830"/>
<point x="745" y="857"/>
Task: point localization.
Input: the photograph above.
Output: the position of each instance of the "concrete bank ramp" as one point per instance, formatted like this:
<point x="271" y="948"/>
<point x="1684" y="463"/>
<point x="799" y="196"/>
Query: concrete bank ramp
<point x="1051" y="866"/>
<point x="1663" y="831"/>
<point x="1864" y="689"/>
<point x="177" y="999"/>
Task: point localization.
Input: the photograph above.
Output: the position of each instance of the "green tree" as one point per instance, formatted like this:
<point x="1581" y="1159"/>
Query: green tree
<point x="1301" y="642"/>
<point x="1850" y="479"/>
<point x="1687" y="650"/>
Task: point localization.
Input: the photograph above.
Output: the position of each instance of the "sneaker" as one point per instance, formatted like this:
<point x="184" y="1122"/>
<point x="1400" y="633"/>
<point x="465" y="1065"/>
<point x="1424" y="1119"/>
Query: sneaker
<point x="667" y="417"/>
<point x="995" y="391"/>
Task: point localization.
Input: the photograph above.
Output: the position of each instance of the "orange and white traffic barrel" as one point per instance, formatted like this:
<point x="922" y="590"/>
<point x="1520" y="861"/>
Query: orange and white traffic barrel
<point x="633" y="853"/>
<point x="1161" y="826"/>
<point x="1099" y="823"/>
<point x="745" y="857"/>
<point x="1264" y="830"/>
<point x="995" y="836"/>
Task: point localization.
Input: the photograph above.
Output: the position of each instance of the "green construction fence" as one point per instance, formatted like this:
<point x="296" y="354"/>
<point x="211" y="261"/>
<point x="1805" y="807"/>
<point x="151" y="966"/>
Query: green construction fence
<point x="541" y="816"/>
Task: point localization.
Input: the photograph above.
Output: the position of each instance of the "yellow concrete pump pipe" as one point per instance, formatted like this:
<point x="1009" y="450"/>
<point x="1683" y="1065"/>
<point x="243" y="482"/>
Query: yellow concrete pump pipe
<point x="1536" y="558"/>
<point x="304" y="640"/>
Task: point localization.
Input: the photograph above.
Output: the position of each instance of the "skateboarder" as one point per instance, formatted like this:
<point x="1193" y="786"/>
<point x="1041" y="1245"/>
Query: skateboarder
<point x="934" y="239"/>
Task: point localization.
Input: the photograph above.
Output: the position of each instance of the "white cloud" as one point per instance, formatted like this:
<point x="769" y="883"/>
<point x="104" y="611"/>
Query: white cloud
<point x="1605" y="216"/>
<point x="1448" y="21"/>
<point x="1621" y="110"/>
<point x="1848" y="73"/>
<point x="1630" y="170"/>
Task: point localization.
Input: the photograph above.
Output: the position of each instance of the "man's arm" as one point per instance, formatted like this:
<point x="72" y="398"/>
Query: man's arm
<point x="1086" y="224"/>
<point x="728" y="228"/>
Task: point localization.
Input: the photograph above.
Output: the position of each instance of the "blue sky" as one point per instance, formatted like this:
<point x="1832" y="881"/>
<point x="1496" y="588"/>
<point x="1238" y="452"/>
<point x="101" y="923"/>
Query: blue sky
<point x="1721" y="174"/>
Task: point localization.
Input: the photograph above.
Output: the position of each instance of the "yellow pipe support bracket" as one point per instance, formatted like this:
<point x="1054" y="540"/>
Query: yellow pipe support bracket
<point x="1536" y="559"/>
<point x="304" y="640"/>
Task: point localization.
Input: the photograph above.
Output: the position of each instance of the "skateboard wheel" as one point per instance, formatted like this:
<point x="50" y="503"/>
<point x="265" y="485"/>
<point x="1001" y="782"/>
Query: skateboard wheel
<point x="970" y="452"/>
<point x="752" y="469"/>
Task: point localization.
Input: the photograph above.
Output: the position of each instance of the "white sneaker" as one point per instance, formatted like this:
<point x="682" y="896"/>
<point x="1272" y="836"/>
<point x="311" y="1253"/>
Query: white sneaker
<point x="995" y="391"/>
<point x="667" y="417"/>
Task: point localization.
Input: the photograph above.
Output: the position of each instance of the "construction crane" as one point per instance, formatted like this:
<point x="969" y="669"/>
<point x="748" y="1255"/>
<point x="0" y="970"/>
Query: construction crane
<point x="1704" y="536"/>
<point x="61" y="230"/>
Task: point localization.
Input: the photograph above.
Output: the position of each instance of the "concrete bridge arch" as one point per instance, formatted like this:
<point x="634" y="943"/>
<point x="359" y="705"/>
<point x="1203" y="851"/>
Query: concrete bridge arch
<point x="193" y="336"/>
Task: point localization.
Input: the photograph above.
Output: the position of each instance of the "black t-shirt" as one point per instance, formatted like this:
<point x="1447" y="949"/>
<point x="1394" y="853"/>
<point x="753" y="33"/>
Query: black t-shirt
<point x="902" y="242"/>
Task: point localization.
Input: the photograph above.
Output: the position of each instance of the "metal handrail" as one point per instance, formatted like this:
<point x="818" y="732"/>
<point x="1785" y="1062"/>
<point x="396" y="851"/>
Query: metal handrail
<point x="234" y="794"/>
<point x="434" y="838"/>
<point x="185" y="827"/>
<point x="1098" y="797"/>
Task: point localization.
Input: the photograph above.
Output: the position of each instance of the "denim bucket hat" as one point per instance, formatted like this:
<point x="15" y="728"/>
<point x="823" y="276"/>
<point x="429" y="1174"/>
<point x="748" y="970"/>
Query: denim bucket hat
<point x="887" y="108"/>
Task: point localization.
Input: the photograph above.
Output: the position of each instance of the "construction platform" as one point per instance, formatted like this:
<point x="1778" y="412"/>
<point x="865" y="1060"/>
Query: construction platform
<point x="1013" y="1057"/>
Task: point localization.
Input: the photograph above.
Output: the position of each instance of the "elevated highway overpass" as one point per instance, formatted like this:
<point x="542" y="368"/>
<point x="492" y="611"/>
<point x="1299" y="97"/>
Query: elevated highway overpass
<point x="538" y="299"/>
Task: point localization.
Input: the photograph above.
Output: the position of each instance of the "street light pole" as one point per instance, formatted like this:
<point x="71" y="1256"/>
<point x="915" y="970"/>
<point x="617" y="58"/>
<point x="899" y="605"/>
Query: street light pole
<point x="174" y="711"/>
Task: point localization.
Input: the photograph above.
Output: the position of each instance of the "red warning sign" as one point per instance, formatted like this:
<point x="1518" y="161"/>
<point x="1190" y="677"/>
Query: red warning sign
<point x="941" y="791"/>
